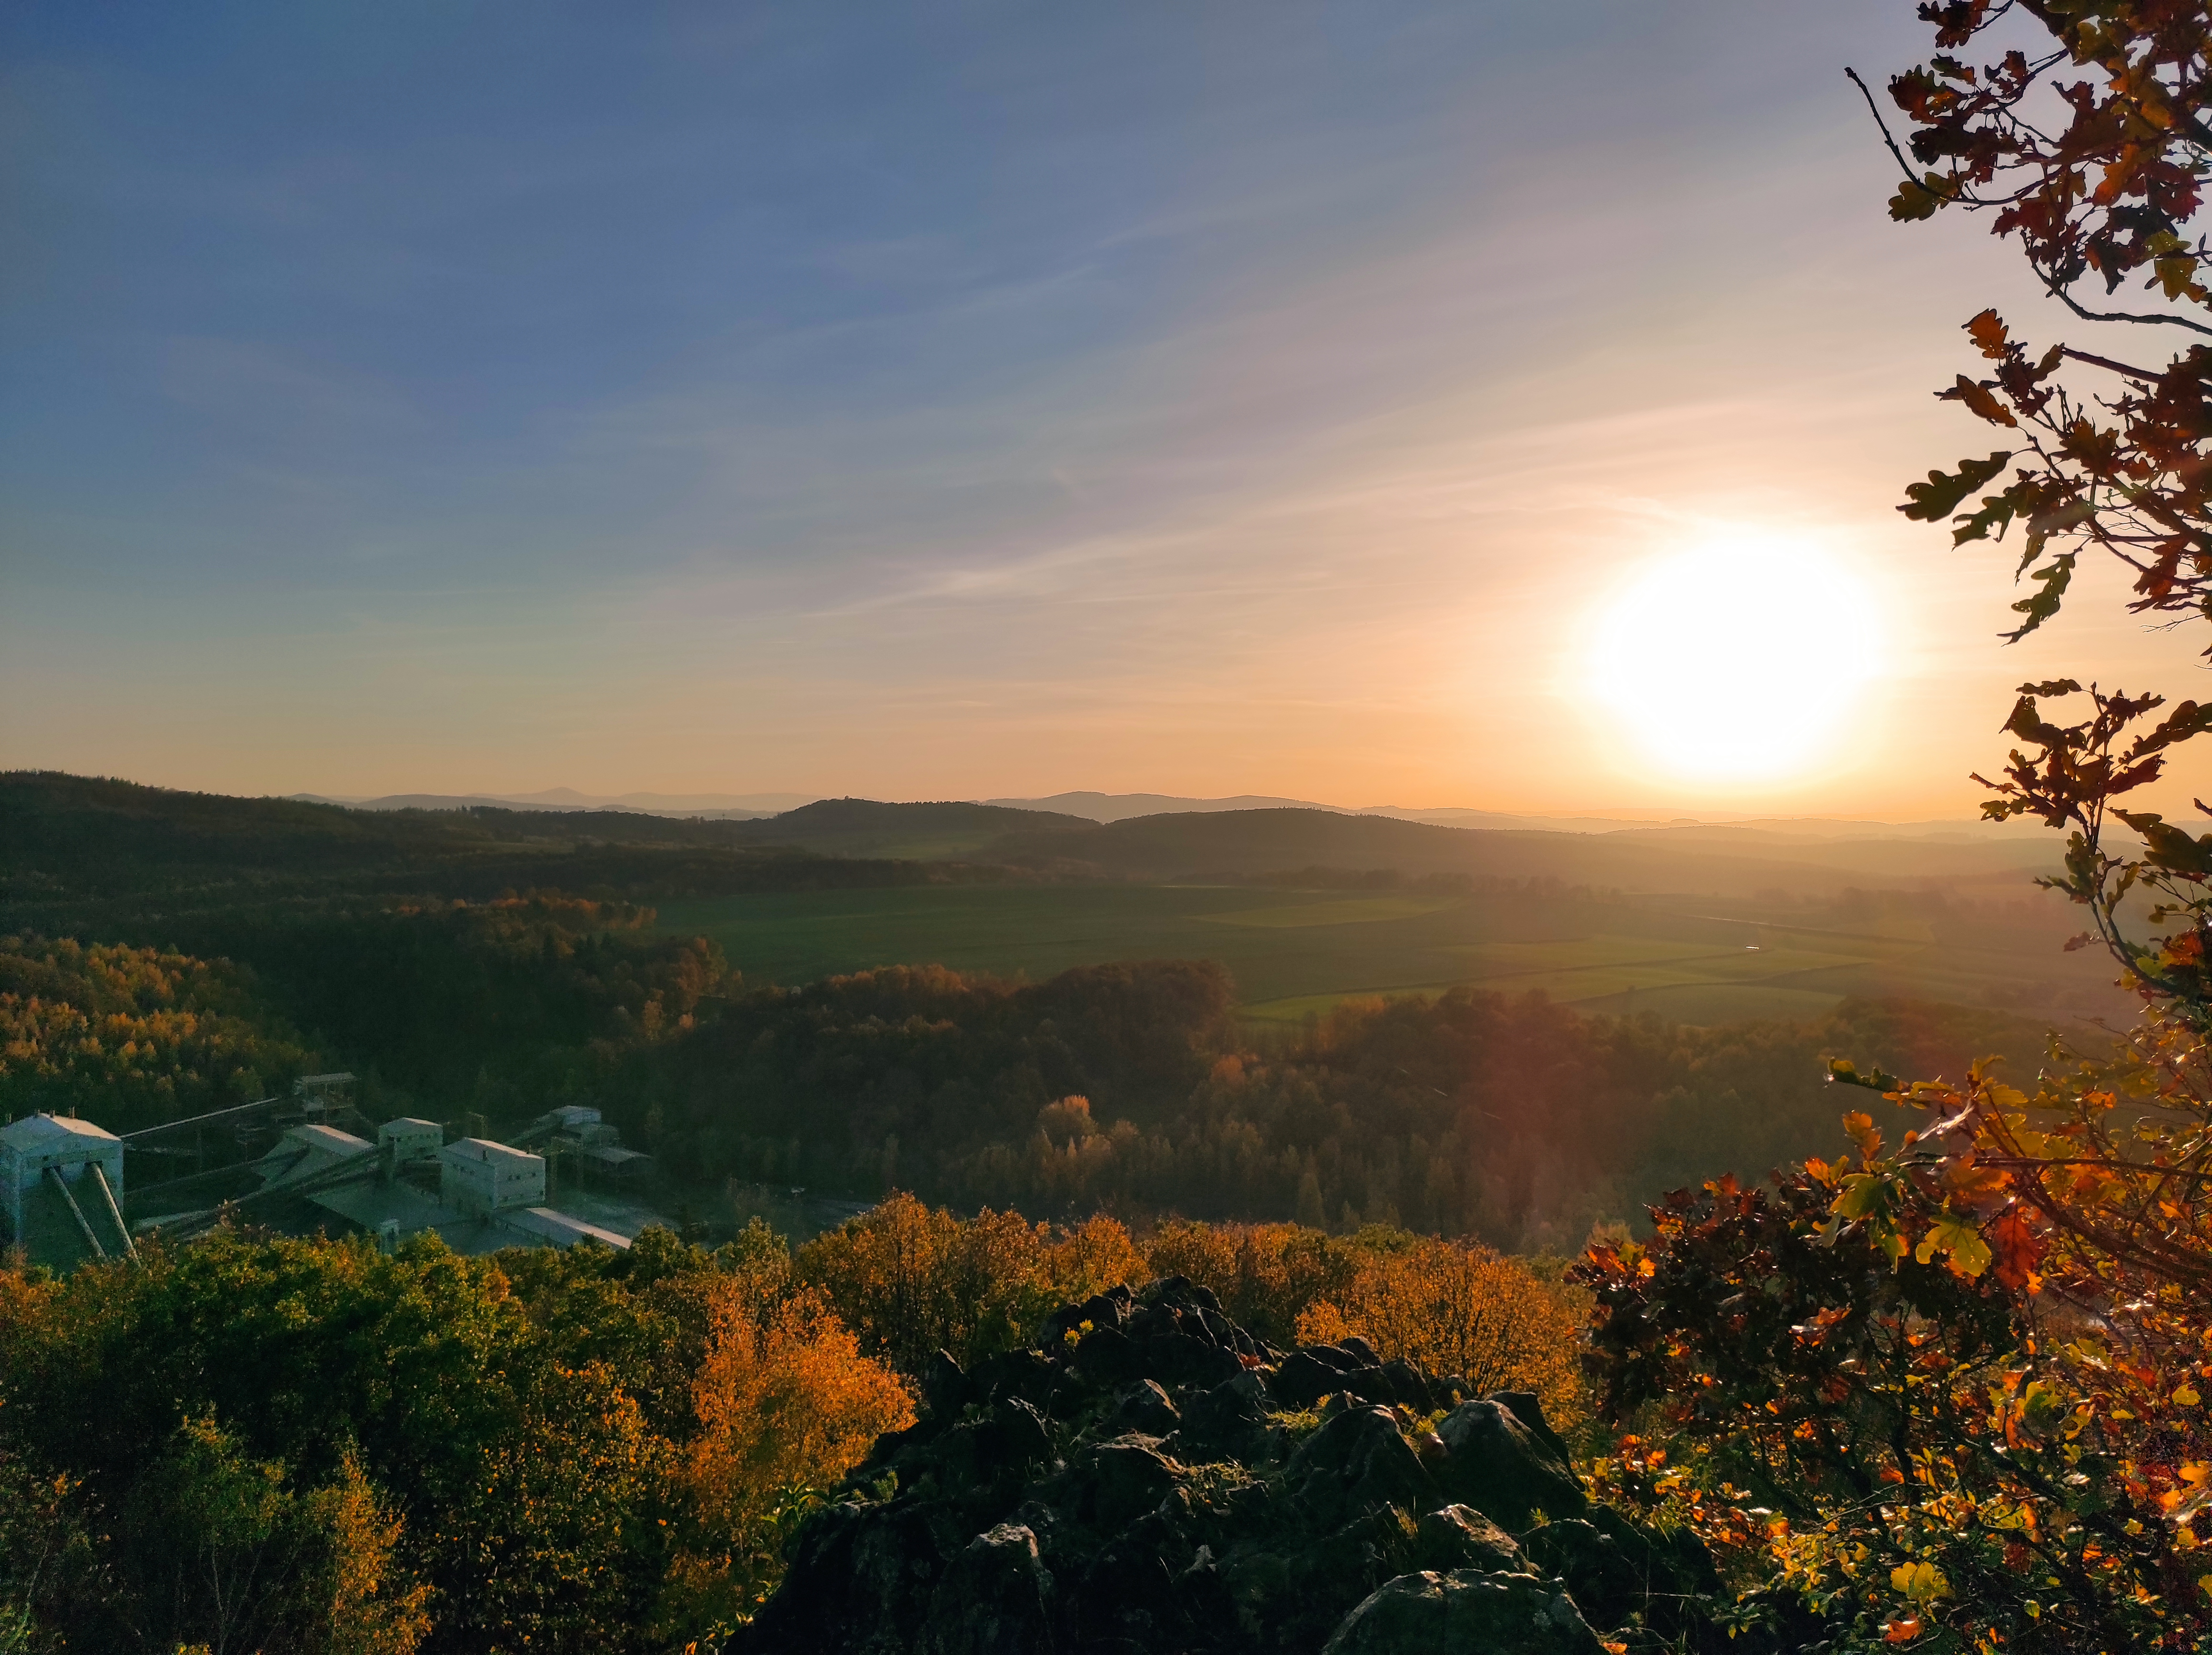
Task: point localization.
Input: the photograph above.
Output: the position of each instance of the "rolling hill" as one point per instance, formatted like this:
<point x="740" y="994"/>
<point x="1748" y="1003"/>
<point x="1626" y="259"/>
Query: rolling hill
<point x="926" y="833"/>
<point x="1245" y="844"/>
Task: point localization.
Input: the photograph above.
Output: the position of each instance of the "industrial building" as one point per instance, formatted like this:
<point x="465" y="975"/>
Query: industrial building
<point x="476" y="1176"/>
<point x="61" y="1190"/>
<point x="61" y="1179"/>
<point x="574" y="1122"/>
<point x="409" y="1139"/>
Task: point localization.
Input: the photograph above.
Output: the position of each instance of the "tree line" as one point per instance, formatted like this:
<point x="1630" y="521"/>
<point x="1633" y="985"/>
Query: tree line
<point x="1130" y="1088"/>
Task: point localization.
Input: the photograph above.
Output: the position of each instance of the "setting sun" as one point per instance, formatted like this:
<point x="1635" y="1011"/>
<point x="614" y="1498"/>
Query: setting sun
<point x="1735" y="661"/>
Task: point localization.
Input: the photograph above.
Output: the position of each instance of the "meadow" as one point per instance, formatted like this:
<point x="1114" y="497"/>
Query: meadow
<point x="1294" y="954"/>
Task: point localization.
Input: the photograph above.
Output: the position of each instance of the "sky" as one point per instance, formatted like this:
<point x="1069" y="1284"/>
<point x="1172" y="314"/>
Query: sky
<point x="1470" y="404"/>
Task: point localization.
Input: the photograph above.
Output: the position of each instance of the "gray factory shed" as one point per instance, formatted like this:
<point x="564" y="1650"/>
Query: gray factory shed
<point x="61" y="1189"/>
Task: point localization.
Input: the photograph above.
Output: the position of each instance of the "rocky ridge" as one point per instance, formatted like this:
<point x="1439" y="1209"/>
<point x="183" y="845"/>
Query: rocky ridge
<point x="1157" y="1480"/>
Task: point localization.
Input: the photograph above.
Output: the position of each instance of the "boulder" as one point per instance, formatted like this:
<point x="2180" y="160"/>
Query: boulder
<point x="1409" y="1390"/>
<point x="1108" y="1309"/>
<point x="1108" y="1357"/>
<point x="1617" y="1570"/>
<point x="994" y="1598"/>
<point x="1227" y="1422"/>
<point x="1460" y="1538"/>
<point x="1303" y="1379"/>
<point x="1529" y="1408"/>
<point x="944" y="1386"/>
<point x="1356" y="1462"/>
<point x="1500" y="1467"/>
<point x="1143" y="1407"/>
<point x="1016" y="1438"/>
<point x="1607" y="1585"/>
<point x="1465" y="1612"/>
<point x="1129" y="1477"/>
<point x="1180" y="1360"/>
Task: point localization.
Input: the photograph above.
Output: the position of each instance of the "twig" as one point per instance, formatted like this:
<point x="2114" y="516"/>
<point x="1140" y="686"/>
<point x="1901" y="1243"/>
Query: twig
<point x="1873" y="110"/>
<point x="2068" y="301"/>
<point x="2107" y="361"/>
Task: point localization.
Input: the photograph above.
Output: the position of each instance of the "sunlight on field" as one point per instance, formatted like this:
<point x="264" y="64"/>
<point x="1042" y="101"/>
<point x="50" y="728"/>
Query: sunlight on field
<point x="1355" y="911"/>
<point x="1556" y="967"/>
<point x="1295" y="1009"/>
<point x="1294" y="954"/>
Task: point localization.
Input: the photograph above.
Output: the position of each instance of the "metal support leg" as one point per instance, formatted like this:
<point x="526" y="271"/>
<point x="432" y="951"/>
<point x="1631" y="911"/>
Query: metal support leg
<point x="114" y="1208"/>
<point x="76" y="1212"/>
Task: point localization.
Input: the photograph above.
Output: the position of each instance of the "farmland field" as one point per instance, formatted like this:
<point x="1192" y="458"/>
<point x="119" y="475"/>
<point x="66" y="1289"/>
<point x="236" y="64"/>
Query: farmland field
<point x="1295" y="953"/>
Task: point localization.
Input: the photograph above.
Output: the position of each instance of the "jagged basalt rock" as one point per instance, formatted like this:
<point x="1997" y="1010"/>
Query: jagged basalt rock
<point x="1502" y="1468"/>
<point x="1155" y="1479"/>
<point x="1463" y="1613"/>
<point x="1357" y="1462"/>
<point x="995" y="1596"/>
<point x="1460" y="1538"/>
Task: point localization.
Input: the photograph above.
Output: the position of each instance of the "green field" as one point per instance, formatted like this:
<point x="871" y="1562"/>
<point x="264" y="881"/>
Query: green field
<point x="1295" y="953"/>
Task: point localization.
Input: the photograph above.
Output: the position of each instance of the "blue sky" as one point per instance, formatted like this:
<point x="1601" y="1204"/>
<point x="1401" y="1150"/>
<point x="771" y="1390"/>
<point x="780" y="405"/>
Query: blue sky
<point x="954" y="400"/>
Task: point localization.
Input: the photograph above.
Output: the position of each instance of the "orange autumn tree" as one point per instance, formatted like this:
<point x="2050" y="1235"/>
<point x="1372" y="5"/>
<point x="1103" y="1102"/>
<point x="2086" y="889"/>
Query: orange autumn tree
<point x="912" y="1279"/>
<point x="786" y="1404"/>
<point x="1455" y="1308"/>
<point x="1267" y="1275"/>
<point x="1949" y="1394"/>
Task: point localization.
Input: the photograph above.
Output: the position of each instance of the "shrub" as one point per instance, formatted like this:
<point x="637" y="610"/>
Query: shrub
<point x="1451" y="1308"/>
<point x="1265" y="1275"/>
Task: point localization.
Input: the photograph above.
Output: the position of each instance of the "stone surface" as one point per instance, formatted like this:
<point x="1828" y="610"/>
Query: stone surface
<point x="1466" y="1612"/>
<point x="1496" y="1464"/>
<point x="993" y="1598"/>
<point x="1460" y="1538"/>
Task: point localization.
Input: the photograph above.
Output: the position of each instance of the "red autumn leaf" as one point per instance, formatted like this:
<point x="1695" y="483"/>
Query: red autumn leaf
<point x="2018" y="1248"/>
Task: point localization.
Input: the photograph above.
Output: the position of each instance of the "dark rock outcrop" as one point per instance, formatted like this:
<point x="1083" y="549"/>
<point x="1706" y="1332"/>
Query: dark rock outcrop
<point x="1463" y="1613"/>
<point x="1154" y="1479"/>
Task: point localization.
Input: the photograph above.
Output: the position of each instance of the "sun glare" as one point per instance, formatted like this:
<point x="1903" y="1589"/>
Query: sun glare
<point x="1735" y="661"/>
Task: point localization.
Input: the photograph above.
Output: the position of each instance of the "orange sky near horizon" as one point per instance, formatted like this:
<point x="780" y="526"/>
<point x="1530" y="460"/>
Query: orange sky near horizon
<point x="1313" y="455"/>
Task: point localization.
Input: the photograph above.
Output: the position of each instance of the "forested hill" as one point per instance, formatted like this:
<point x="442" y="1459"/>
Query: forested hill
<point x="1244" y="843"/>
<point x="924" y="832"/>
<point x="82" y="854"/>
<point x="96" y="857"/>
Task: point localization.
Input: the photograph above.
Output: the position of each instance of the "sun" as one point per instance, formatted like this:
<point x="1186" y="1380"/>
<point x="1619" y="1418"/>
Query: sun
<point x="1736" y="661"/>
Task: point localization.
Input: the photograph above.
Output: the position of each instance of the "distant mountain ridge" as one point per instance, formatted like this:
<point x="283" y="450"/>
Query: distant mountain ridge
<point x="930" y="832"/>
<point x="74" y="840"/>
<point x="712" y="807"/>
<point x="1110" y="808"/>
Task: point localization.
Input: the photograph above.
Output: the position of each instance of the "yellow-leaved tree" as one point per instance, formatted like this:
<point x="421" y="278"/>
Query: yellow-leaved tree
<point x="786" y="1405"/>
<point x="1454" y="1308"/>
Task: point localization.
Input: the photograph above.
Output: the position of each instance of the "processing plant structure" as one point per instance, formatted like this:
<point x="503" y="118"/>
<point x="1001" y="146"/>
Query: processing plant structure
<point x="63" y="1189"/>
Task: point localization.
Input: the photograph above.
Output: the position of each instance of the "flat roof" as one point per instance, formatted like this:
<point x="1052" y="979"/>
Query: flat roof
<point x="45" y="1131"/>
<point x="371" y="1204"/>
<point x="610" y="1154"/>
<point x="330" y="1139"/>
<point x="560" y="1229"/>
<point x="484" y="1150"/>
